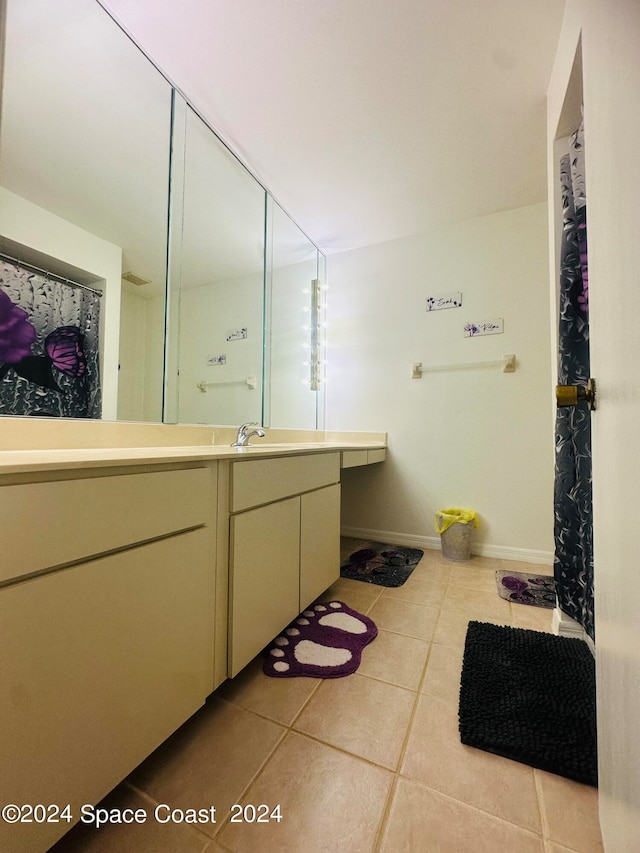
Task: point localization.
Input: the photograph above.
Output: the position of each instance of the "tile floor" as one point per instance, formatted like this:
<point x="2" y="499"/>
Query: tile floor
<point x="370" y="762"/>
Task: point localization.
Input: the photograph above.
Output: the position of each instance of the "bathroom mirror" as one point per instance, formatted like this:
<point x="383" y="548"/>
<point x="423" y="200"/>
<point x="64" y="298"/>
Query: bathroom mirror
<point x="91" y="192"/>
<point x="84" y="169"/>
<point x="216" y="281"/>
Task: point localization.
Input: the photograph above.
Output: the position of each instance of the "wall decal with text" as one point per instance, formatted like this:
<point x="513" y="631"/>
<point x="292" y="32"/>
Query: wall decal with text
<point x="216" y="359"/>
<point x="445" y="300"/>
<point x="489" y="327"/>
<point x="237" y="334"/>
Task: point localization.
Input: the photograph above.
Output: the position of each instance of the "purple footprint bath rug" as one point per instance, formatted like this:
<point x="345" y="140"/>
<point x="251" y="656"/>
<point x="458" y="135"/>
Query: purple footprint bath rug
<point x="324" y="641"/>
<point x="525" y="588"/>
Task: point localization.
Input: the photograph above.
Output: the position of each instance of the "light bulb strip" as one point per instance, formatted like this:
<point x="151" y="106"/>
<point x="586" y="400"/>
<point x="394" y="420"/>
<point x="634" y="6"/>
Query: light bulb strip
<point x="315" y="317"/>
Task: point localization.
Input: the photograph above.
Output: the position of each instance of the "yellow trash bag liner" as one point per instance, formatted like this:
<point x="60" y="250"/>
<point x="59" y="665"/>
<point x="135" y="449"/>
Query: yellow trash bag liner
<point x="446" y="517"/>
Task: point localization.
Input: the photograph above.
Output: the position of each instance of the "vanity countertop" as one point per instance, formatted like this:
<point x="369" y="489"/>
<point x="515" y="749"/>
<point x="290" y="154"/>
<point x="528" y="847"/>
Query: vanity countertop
<point x="55" y="459"/>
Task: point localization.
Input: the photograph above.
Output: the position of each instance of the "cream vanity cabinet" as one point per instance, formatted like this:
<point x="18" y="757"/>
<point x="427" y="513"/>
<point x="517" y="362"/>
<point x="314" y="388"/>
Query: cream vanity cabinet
<point x="106" y="624"/>
<point x="284" y="545"/>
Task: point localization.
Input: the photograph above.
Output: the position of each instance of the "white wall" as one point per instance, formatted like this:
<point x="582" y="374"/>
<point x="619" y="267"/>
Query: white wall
<point x="132" y="357"/>
<point x="477" y="438"/>
<point x="154" y="358"/>
<point x="48" y="235"/>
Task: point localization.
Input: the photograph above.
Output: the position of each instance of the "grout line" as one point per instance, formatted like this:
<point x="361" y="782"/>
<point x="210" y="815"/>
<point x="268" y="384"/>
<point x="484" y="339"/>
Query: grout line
<point x="474" y="808"/>
<point x="544" y="822"/>
<point x="261" y="767"/>
<point x="342" y="750"/>
<point x="147" y="796"/>
<point x="385" y="813"/>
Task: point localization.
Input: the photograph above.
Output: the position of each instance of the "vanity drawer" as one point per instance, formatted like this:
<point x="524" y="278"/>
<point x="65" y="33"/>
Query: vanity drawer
<point x="261" y="481"/>
<point x="354" y="458"/>
<point x="54" y="523"/>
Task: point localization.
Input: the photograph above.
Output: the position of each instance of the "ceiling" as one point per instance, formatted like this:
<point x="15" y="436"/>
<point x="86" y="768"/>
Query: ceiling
<point x="367" y="120"/>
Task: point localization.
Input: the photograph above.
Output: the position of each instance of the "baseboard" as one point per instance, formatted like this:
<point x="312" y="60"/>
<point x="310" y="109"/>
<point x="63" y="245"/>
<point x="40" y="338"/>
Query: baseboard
<point x="564" y="626"/>
<point x="500" y="552"/>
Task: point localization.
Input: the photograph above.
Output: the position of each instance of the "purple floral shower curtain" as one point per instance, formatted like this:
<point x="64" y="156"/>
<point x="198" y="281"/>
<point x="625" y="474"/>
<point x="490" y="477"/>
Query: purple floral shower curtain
<point x="49" y="352"/>
<point x="573" y="518"/>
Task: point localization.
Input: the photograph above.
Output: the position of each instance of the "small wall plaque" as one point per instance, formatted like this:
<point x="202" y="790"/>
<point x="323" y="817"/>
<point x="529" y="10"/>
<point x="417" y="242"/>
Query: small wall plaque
<point x="236" y="334"/>
<point x="488" y="327"/>
<point x="216" y="359"/>
<point x="445" y="300"/>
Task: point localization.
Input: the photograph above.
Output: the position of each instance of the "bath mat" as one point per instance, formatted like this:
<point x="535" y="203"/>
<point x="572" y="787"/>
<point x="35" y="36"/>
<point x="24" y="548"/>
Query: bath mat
<point x="385" y="565"/>
<point x="526" y="588"/>
<point x="325" y="641"/>
<point x="531" y="697"/>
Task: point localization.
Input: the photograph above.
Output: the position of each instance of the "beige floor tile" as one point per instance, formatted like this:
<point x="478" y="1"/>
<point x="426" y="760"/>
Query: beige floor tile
<point x="361" y="715"/>
<point x="451" y="627"/>
<point x="472" y="576"/>
<point x="532" y="618"/>
<point x="210" y="760"/>
<point x="330" y="801"/>
<point x="434" y="568"/>
<point x="360" y="597"/>
<point x="395" y="658"/>
<point x="280" y="699"/>
<point x="419" y="590"/>
<point x="442" y="676"/>
<point x="435" y="757"/>
<point x="452" y="624"/>
<point x="404" y="617"/>
<point x="552" y="847"/>
<point x="356" y="585"/>
<point x="519" y="566"/>
<point x="480" y="604"/>
<point x="571" y="812"/>
<point x="491" y="562"/>
<point x="422" y="820"/>
<point x="148" y="837"/>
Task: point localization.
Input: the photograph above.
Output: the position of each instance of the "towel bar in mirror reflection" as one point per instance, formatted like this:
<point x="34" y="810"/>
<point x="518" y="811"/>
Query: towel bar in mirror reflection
<point x="250" y="382"/>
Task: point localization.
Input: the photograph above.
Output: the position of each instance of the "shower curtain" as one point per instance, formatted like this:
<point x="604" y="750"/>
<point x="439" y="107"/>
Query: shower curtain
<point x="573" y="519"/>
<point x="49" y="351"/>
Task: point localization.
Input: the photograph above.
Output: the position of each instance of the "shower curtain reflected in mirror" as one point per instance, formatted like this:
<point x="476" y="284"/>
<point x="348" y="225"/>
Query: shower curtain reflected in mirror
<point x="49" y="346"/>
<point x="573" y="517"/>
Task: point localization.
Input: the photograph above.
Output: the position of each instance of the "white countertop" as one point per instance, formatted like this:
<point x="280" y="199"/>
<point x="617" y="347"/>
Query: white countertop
<point x="55" y="459"/>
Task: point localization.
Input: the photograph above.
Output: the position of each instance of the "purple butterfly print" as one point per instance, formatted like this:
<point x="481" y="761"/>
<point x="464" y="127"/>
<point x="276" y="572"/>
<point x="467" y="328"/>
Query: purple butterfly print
<point x="514" y="584"/>
<point x="16" y="332"/>
<point x="64" y="348"/>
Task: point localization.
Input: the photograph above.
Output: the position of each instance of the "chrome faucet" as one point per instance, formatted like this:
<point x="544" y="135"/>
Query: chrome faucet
<point x="242" y="439"/>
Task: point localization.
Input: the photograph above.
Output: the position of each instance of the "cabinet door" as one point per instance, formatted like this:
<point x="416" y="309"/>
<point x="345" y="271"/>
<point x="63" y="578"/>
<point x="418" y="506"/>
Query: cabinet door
<point x="95" y="515"/>
<point x="319" y="543"/>
<point x="264" y="577"/>
<point x="100" y="663"/>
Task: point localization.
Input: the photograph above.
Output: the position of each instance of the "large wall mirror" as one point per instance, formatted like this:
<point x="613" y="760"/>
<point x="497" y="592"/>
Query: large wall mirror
<point x="105" y="173"/>
<point x="84" y="170"/>
<point x="216" y="304"/>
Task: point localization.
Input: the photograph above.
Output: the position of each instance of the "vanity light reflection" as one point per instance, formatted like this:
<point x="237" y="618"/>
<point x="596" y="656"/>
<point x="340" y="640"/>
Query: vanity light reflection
<point x="316" y="328"/>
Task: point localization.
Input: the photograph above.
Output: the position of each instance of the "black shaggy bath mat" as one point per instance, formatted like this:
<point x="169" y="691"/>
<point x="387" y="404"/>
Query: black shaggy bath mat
<point x="531" y="697"/>
<point x="385" y="565"/>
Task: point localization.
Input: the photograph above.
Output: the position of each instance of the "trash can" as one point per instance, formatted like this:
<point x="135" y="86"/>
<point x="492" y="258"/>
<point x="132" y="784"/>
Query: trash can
<point x="455" y="526"/>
